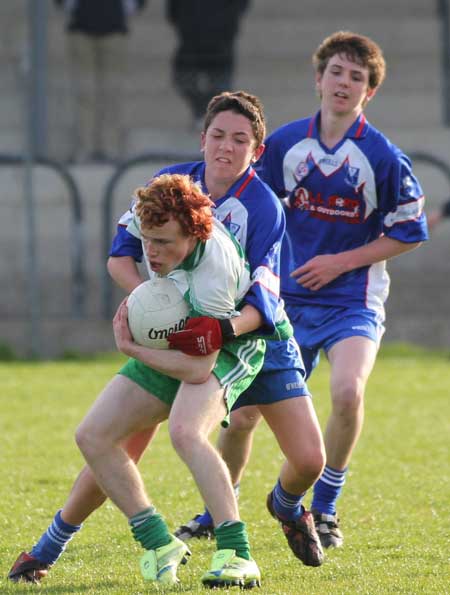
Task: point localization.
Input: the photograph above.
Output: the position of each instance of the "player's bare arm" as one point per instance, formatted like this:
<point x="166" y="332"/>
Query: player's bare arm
<point x="175" y="364"/>
<point x="124" y="272"/>
<point x="323" y="269"/>
<point x="249" y="320"/>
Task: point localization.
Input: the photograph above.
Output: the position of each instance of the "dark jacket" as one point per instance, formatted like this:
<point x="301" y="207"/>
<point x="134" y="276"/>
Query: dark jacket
<point x="97" y="17"/>
<point x="206" y="19"/>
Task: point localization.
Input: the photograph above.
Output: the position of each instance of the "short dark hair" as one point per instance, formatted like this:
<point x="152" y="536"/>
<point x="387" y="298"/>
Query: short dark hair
<point x="358" y="48"/>
<point x="239" y="102"/>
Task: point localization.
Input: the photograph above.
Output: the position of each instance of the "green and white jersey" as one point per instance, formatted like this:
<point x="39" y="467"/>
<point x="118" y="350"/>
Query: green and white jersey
<point x="214" y="278"/>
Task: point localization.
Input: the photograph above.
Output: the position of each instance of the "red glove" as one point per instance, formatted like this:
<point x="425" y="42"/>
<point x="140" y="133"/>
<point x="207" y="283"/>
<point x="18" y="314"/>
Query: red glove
<point x="202" y="336"/>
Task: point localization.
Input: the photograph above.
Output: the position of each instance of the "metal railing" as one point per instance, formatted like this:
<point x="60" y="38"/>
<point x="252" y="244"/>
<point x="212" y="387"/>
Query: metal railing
<point x="77" y="247"/>
<point x="78" y="274"/>
<point x="429" y="159"/>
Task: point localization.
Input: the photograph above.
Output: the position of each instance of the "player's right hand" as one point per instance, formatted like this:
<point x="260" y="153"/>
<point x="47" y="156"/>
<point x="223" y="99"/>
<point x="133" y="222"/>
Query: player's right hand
<point x="200" y="336"/>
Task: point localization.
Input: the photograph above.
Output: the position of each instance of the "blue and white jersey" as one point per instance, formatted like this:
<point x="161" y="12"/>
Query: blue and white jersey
<point x="254" y="215"/>
<point x="339" y="199"/>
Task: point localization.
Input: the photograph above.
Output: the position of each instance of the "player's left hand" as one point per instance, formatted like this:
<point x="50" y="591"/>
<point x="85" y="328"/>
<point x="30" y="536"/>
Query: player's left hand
<point x="122" y="334"/>
<point x="319" y="271"/>
<point x="200" y="336"/>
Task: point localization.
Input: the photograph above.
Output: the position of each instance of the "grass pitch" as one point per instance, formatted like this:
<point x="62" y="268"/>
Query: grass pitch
<point x="394" y="510"/>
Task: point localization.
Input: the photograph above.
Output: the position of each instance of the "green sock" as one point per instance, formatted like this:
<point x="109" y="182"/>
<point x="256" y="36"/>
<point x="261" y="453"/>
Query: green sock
<point x="232" y="535"/>
<point x="150" y="529"/>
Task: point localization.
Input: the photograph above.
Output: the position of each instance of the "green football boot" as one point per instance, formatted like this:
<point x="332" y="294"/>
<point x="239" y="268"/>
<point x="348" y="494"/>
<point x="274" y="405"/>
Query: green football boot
<point x="229" y="570"/>
<point x="161" y="565"/>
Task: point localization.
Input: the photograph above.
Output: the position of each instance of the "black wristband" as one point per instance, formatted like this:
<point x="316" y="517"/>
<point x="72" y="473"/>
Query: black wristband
<point x="227" y="329"/>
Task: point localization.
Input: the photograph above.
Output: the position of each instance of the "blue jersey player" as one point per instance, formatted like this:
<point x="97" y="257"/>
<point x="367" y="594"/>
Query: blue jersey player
<point x="252" y="213"/>
<point x="352" y="202"/>
<point x="232" y="141"/>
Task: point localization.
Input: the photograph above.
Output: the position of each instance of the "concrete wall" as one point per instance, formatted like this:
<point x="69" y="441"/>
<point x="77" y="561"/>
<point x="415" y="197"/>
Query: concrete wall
<point x="274" y="48"/>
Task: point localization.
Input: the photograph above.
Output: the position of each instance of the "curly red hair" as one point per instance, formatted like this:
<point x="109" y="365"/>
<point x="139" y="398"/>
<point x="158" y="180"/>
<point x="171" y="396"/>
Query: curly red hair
<point x="178" y="197"/>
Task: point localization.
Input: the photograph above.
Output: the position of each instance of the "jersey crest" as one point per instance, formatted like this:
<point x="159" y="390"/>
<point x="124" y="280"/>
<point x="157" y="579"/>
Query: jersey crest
<point x="232" y="226"/>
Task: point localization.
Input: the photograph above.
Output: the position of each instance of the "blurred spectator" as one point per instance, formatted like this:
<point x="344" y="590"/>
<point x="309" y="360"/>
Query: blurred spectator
<point x="203" y="63"/>
<point x="98" y="52"/>
<point x="438" y="215"/>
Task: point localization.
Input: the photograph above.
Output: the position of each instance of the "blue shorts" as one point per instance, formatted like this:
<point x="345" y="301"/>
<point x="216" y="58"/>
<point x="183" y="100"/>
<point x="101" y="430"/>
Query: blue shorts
<point x="282" y="376"/>
<point x="320" y="327"/>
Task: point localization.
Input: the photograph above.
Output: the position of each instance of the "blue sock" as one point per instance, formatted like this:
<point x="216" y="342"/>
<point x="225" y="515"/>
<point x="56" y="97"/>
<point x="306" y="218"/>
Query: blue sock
<point x="327" y="489"/>
<point x="206" y="519"/>
<point x="287" y="506"/>
<point x="53" y="542"/>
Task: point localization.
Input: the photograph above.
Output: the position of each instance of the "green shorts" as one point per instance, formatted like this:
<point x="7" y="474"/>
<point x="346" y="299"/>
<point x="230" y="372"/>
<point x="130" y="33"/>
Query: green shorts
<point x="236" y="367"/>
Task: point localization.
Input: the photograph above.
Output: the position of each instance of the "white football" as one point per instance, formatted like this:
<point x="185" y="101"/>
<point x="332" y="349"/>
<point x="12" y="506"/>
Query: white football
<point x="156" y="309"/>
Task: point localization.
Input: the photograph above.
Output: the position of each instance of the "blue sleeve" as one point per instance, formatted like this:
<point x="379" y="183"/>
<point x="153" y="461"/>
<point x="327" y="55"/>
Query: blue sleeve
<point x="124" y="243"/>
<point x="401" y="200"/>
<point x="263" y="254"/>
